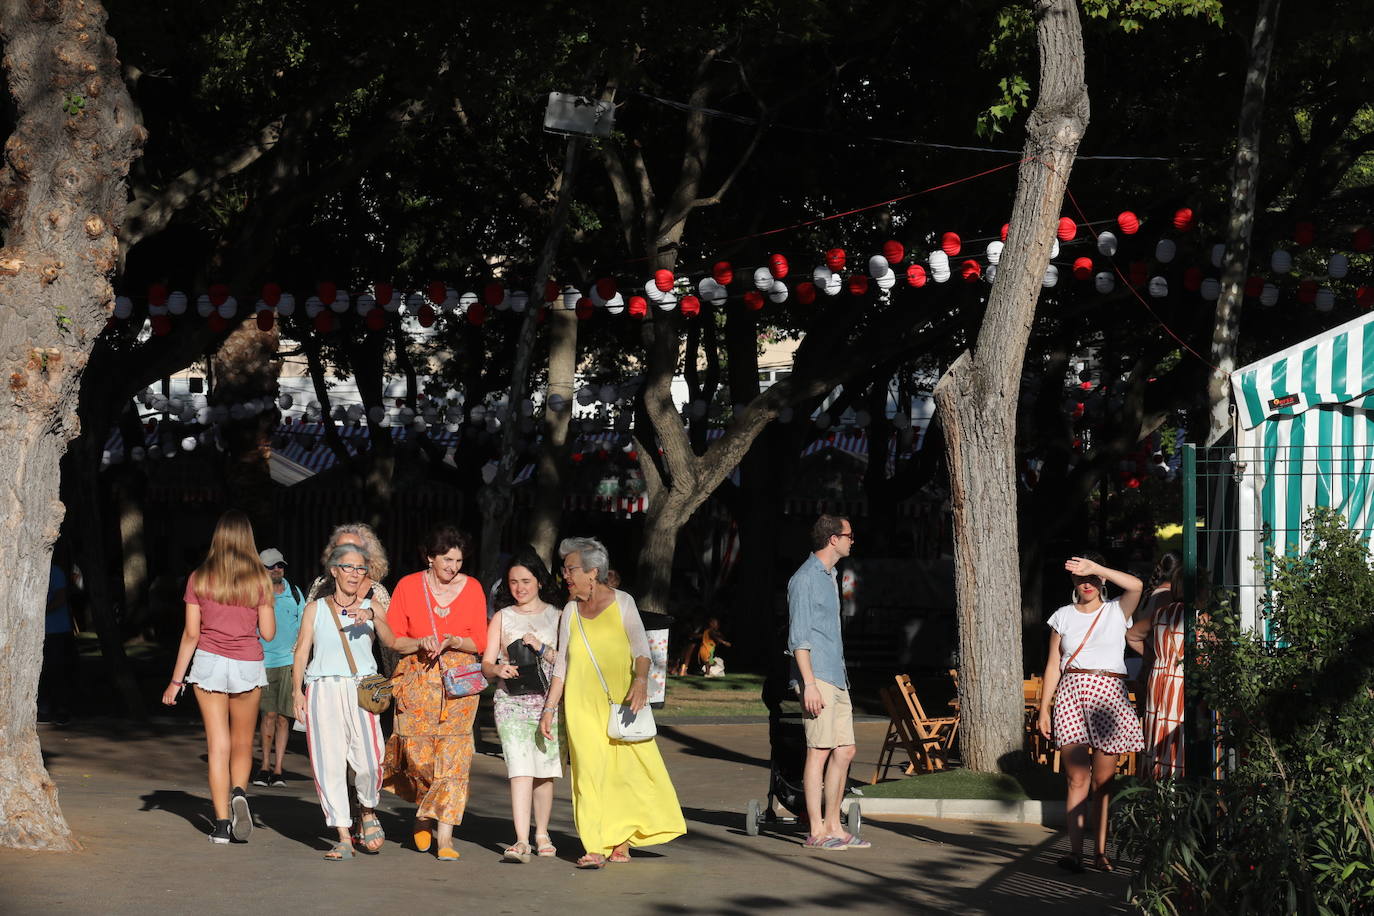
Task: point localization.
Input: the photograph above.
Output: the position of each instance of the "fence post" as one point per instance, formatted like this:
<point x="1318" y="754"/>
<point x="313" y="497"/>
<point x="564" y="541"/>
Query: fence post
<point x="1197" y="740"/>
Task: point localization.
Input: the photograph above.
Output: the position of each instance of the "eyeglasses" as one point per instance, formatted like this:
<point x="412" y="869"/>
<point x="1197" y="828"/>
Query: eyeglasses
<point x="277" y="566"/>
<point x="846" y="534"/>
<point x="350" y="568"/>
<point x="569" y="570"/>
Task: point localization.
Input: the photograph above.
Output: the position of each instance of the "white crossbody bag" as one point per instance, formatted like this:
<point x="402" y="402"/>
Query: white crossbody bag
<point x="623" y="724"/>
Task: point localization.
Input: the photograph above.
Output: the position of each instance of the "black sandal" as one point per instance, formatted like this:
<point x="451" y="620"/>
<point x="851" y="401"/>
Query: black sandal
<point x="1102" y="862"/>
<point x="1071" y="864"/>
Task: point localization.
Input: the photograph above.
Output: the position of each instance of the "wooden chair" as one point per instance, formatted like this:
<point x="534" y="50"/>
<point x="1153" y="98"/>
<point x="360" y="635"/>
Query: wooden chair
<point x="900" y="734"/>
<point x="934" y="734"/>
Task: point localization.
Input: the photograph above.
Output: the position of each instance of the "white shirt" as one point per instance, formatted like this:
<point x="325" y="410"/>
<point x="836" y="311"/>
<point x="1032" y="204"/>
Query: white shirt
<point x="1107" y="648"/>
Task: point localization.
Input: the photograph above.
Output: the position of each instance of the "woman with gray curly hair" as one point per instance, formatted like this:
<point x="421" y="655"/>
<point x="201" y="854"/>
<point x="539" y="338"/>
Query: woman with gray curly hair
<point x="621" y="792"/>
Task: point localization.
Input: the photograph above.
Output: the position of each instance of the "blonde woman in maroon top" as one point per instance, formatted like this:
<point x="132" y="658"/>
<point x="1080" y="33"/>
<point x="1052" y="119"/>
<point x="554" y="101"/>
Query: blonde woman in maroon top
<point x="229" y="605"/>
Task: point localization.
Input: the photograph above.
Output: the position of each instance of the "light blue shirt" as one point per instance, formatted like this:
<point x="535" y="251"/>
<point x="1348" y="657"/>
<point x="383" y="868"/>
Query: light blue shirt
<point x="277" y="652"/>
<point x="329" y="659"/>
<point x="813" y="613"/>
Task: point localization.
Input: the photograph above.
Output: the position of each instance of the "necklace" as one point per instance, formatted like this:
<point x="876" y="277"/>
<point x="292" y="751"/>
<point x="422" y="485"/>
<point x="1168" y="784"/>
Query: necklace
<point x="441" y="610"/>
<point x="341" y="606"/>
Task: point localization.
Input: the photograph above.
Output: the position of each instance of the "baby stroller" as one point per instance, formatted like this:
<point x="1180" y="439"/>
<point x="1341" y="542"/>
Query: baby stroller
<point x="787" y="760"/>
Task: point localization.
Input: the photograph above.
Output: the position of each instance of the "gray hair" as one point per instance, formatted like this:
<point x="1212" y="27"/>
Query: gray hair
<point x="343" y="550"/>
<point x="593" y="554"/>
<point x="372" y="548"/>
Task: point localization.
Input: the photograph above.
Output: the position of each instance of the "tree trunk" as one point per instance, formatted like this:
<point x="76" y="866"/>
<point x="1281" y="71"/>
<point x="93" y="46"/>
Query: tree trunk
<point x="977" y="401"/>
<point x="1244" y="188"/>
<point x="62" y="192"/>
<point x="548" y="493"/>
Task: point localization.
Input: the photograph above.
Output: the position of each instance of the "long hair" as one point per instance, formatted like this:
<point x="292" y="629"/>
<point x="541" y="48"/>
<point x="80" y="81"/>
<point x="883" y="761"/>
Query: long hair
<point x="232" y="573"/>
<point x="1168" y="571"/>
<point x="530" y="560"/>
<point x="377" y="567"/>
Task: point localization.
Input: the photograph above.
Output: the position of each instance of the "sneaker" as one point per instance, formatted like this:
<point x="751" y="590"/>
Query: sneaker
<point x="241" y="824"/>
<point x="278" y="781"/>
<point x="263" y="779"/>
<point x="221" y="832"/>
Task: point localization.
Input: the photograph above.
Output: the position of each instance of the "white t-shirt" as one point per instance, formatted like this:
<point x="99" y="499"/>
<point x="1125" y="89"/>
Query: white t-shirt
<point x="1107" y="648"/>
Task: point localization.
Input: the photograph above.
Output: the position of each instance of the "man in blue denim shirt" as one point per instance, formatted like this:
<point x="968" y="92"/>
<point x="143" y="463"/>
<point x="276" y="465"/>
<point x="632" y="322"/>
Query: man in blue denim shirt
<point x="818" y="673"/>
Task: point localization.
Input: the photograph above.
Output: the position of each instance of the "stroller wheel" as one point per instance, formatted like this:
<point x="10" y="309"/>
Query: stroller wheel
<point x="853" y="819"/>
<point x="752" y="817"/>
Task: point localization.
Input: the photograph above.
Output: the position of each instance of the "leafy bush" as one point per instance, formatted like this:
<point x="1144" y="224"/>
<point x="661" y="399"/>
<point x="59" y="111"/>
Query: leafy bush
<point x="1289" y="826"/>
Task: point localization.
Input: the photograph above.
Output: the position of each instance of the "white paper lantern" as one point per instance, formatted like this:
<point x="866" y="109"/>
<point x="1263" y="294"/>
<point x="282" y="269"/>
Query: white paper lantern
<point x="340" y="303"/>
<point x="228" y="308"/>
<point x="652" y="291"/>
<point x="519" y="301"/>
<point x="763" y="279"/>
<point x="394" y="303"/>
<point x="286" y="306"/>
<point x="203" y="416"/>
<point x="1218" y="254"/>
<point x="123" y="307"/>
<point x="821" y="276"/>
<point x="204" y="307"/>
<point x="313" y="306"/>
<point x="260" y="306"/>
<point x="1339" y="266"/>
<point x="1159" y="287"/>
<point x="415" y="302"/>
<point x="713" y="291"/>
<point x="1281" y="261"/>
<point x="939" y="261"/>
<point x="176" y="303"/>
<point x="1106" y="243"/>
<point x="990" y="273"/>
<point x="777" y="291"/>
<point x="1104" y="282"/>
<point x="1054" y="248"/>
<point x="877" y="266"/>
<point x="376" y="415"/>
<point x="419" y="425"/>
<point x="1210" y="289"/>
<point x="155" y="450"/>
<point x="1269" y="295"/>
<point x="616" y="304"/>
<point x="668" y="301"/>
<point x="585" y="396"/>
<point x="887" y="279"/>
<point x="365" y="304"/>
<point x="1165" y="250"/>
<point x="1326" y="299"/>
<point x="834" y="284"/>
<point x="556" y="402"/>
<point x="995" y="252"/>
<point x="1051" y="276"/>
<point x="284" y="401"/>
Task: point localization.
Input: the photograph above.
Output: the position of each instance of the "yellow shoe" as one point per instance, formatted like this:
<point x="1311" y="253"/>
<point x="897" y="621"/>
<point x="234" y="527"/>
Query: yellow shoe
<point x="448" y="854"/>
<point x="422" y="836"/>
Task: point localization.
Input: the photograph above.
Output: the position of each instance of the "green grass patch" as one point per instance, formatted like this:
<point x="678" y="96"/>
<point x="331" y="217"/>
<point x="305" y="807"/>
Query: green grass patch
<point x="958" y="783"/>
<point x="732" y="695"/>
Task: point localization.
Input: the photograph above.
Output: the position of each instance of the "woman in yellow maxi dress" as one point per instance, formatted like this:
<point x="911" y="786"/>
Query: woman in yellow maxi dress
<point x="621" y="793"/>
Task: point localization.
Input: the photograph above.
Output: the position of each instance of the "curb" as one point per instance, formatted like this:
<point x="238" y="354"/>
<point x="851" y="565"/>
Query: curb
<point x="1045" y="813"/>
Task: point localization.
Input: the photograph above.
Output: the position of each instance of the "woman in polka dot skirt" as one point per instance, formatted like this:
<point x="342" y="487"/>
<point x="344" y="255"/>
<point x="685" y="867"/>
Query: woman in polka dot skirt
<point x="1085" y="676"/>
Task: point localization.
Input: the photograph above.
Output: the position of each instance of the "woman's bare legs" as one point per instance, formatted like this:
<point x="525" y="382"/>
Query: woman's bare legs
<point x="214" y="711"/>
<point x="543" y="806"/>
<point x="1104" y="770"/>
<point x="243" y="721"/>
<point x="1077" y="762"/>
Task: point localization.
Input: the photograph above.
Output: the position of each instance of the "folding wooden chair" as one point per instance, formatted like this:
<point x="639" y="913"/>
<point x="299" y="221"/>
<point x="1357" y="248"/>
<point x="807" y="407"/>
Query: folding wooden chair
<point x="900" y="734"/>
<point x="934" y="735"/>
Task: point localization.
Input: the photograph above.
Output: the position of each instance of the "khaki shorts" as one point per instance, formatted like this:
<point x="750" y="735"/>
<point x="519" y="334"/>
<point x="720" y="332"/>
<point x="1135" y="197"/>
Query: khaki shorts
<point x="834" y="727"/>
<point x="276" y="696"/>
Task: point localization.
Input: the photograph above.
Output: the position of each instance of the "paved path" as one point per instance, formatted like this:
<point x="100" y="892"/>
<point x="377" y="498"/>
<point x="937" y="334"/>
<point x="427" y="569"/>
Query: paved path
<point x="138" y="801"/>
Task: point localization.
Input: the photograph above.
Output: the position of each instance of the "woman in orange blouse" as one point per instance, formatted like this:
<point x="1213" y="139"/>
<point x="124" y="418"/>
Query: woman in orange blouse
<point x="439" y="616"/>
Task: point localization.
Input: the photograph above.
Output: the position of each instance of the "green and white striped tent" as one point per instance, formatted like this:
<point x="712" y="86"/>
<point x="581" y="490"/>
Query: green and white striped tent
<point x="1305" y="438"/>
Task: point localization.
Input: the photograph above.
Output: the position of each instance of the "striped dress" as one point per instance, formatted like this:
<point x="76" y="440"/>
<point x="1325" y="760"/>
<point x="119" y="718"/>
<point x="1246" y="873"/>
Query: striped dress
<point x="1164" y="697"/>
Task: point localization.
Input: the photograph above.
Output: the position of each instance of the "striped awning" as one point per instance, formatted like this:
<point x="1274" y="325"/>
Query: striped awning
<point x="1336" y="367"/>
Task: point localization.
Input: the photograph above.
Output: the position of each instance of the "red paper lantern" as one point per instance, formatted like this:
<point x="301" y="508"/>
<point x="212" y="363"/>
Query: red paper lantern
<point x="376" y="320"/>
<point x="1133" y="483"/>
<point x="1083" y="268"/>
<point x="664" y="280"/>
<point x="157" y="294"/>
<point x="492" y="294"/>
<point x="834" y="259"/>
<point x="1364" y="297"/>
<point x="576" y="457"/>
<point x="217" y="323"/>
<point x="1183" y="219"/>
<point x="857" y="284"/>
<point x="1006" y="227"/>
<point x="806" y="292"/>
<point x="477" y="314"/>
<point x="916" y="276"/>
<point x="1363" y="239"/>
<point x="584" y="308"/>
<point x="1304" y="233"/>
<point x="632" y="455"/>
<point x="723" y="273"/>
<point x="383" y="292"/>
<point x="753" y="300"/>
<point x="1307" y="291"/>
<point x="436" y="291"/>
<point x="271" y="294"/>
<point x="551" y="290"/>
<point x="951" y="244"/>
<point x="638" y="307"/>
<point x="1078" y="410"/>
<point x="777" y="266"/>
<point x="324" y="322"/>
<point x="218" y="294"/>
<point x="425" y="316"/>
<point x="1140" y="273"/>
<point x="327" y="292"/>
<point x="1254" y="286"/>
<point x="1128" y="221"/>
<point x="1192" y="279"/>
<point x="265" y="319"/>
<point x="1068" y="229"/>
<point x="606" y="288"/>
<point x="691" y="306"/>
<point x="894" y="251"/>
<point x="970" y="271"/>
<point x="162" y="325"/>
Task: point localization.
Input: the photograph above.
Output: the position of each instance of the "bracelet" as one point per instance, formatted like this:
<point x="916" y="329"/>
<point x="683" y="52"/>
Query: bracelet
<point x="549" y="709"/>
<point x="176" y="683"/>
